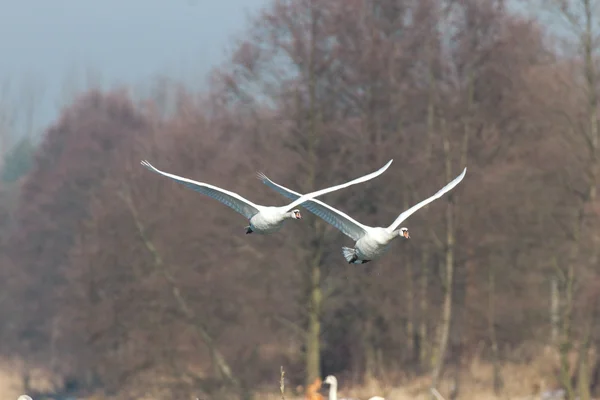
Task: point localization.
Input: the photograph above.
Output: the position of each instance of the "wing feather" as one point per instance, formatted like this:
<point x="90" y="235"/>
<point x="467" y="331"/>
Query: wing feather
<point x="436" y="196"/>
<point x="317" y="193"/>
<point x="336" y="218"/>
<point x="230" y="199"/>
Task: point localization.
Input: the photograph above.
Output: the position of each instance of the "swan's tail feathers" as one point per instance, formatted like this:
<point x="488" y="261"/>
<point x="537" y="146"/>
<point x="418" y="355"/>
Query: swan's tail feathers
<point x="349" y="254"/>
<point x="352" y="258"/>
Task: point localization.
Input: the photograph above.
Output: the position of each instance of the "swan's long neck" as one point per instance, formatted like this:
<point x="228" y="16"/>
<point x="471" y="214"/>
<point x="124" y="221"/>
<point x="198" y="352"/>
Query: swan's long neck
<point x="333" y="391"/>
<point x="385" y="237"/>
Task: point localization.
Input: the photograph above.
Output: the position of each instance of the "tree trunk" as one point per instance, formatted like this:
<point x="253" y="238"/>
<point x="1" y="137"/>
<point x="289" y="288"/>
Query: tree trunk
<point x="449" y="271"/>
<point x="565" y="344"/>
<point x="447" y="307"/>
<point x="410" y="304"/>
<point x="591" y="80"/>
<point x="423" y="336"/>
<point x="497" y="375"/>
<point x="426" y="352"/>
<point x="451" y="211"/>
<point x="584" y="376"/>
<point x="471" y="299"/>
<point x="554" y="309"/>
<point x="313" y="353"/>
<point x="410" y="297"/>
<point x="369" y="354"/>
<point x="315" y="301"/>
<point x="313" y="348"/>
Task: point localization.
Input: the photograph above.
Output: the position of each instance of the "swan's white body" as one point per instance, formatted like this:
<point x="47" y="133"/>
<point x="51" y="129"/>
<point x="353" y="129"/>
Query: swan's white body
<point x="371" y="242"/>
<point x="371" y="245"/>
<point x="332" y="382"/>
<point x="268" y="220"/>
<point x="262" y="219"/>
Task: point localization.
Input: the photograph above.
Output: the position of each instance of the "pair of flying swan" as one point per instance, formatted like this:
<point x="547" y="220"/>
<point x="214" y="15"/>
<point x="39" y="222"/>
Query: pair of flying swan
<point x="370" y="242"/>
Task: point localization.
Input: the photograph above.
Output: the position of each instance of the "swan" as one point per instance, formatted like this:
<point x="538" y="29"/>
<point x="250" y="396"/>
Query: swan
<point x="262" y="219"/>
<point x="332" y="382"/>
<point x="371" y="242"/>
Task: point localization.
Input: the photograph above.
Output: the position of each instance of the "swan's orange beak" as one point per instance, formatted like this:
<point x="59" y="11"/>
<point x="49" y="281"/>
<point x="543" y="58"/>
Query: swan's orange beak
<point x="298" y="215"/>
<point x="406" y="235"/>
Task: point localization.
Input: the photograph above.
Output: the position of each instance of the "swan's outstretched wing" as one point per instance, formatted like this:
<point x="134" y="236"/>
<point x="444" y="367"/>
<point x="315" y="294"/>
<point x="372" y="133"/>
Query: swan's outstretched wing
<point x="414" y="208"/>
<point x="233" y="200"/>
<point x="317" y="193"/>
<point x="338" y="219"/>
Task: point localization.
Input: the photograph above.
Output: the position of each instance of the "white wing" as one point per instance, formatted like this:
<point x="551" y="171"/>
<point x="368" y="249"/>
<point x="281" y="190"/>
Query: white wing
<point x="233" y="200"/>
<point x="338" y="219"/>
<point x="414" y="208"/>
<point x="311" y="195"/>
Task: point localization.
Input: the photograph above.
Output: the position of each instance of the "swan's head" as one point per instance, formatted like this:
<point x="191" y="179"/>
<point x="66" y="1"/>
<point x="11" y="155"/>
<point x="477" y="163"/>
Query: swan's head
<point x="331" y="380"/>
<point x="404" y="232"/>
<point x="295" y="214"/>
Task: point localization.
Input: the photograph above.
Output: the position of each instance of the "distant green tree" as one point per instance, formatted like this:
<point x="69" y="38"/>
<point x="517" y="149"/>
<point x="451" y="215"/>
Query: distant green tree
<point x="18" y="160"/>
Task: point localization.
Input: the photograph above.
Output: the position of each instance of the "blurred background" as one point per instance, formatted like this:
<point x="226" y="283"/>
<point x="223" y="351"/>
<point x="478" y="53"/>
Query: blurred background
<point x="121" y="284"/>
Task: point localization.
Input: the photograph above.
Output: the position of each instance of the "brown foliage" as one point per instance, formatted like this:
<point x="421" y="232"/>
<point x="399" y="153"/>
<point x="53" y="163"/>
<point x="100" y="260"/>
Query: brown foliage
<point x="53" y="204"/>
<point x="138" y="285"/>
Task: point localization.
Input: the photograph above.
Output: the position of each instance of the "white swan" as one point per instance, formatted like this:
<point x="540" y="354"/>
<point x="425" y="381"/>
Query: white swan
<point x="371" y="242"/>
<point x="262" y="219"/>
<point x="332" y="382"/>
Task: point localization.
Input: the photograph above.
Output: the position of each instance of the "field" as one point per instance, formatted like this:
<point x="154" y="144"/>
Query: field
<point x="521" y="382"/>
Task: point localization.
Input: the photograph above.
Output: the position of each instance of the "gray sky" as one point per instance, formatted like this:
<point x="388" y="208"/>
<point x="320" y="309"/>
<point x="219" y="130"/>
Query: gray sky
<point x="48" y="46"/>
<point x="51" y="48"/>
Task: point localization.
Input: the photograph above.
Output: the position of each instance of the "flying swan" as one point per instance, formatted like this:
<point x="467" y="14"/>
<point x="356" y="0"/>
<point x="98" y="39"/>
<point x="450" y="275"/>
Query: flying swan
<point x="371" y="242"/>
<point x="262" y="219"/>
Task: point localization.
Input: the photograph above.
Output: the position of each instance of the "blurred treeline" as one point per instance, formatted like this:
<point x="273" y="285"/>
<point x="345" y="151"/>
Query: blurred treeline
<point x="119" y="279"/>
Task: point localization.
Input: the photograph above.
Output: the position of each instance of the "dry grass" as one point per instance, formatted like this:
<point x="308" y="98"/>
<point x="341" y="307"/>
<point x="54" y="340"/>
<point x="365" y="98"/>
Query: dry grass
<point x="9" y="384"/>
<point x="10" y="381"/>
<point x="522" y="381"/>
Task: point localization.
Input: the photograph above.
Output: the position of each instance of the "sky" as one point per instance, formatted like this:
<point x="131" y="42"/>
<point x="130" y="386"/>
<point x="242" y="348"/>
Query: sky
<point x="50" y="47"/>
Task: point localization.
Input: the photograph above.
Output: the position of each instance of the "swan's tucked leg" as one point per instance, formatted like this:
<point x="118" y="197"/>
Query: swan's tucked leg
<point x="349" y="254"/>
<point x="249" y="229"/>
